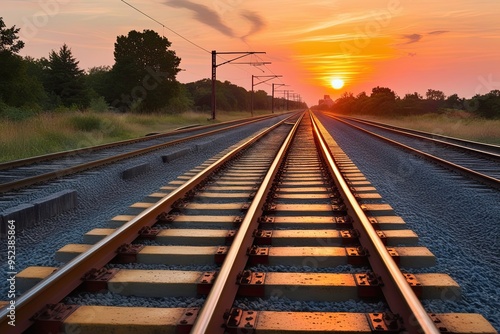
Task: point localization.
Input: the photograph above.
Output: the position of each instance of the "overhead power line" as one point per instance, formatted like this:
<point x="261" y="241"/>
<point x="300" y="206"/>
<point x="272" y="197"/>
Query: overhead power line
<point x="164" y="26"/>
<point x="176" y="33"/>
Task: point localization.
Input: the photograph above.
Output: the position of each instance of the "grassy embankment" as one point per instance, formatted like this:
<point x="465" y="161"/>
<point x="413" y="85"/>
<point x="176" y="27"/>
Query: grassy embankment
<point x="454" y="124"/>
<point x="53" y="132"/>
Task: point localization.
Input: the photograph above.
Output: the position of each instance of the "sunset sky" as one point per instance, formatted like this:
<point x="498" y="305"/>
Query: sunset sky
<point x="408" y="46"/>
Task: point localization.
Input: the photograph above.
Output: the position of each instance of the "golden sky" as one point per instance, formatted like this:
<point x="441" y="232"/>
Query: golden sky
<point x="406" y="45"/>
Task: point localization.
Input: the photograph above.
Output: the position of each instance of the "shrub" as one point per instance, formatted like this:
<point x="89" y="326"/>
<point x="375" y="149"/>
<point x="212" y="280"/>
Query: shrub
<point x="16" y="114"/>
<point x="98" y="104"/>
<point x="85" y="122"/>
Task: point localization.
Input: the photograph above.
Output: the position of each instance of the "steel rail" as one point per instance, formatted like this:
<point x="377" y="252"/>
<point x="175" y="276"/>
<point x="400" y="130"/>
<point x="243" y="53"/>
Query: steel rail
<point x="223" y="292"/>
<point x="398" y="293"/>
<point x="488" y="180"/>
<point x="59" y="284"/>
<point x="458" y="144"/>
<point x="4" y="187"/>
<point x="469" y="144"/>
<point x="70" y="153"/>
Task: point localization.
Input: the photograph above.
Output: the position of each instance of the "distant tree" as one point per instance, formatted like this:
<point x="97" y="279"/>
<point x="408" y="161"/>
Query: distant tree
<point x="454" y="102"/>
<point x="98" y="81"/>
<point x="488" y="104"/>
<point x="9" y="39"/>
<point x="415" y="97"/>
<point x="384" y="93"/>
<point x="65" y="79"/>
<point x="345" y="104"/>
<point x="435" y="95"/>
<point x="229" y="96"/>
<point x="200" y="93"/>
<point x="362" y="96"/>
<point x="411" y="104"/>
<point x="18" y="87"/>
<point x="261" y="100"/>
<point x="435" y="100"/>
<point x="144" y="72"/>
<point x="382" y="102"/>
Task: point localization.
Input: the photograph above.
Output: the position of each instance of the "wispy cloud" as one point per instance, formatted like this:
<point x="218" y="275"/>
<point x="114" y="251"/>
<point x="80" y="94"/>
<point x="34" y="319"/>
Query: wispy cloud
<point x="255" y="20"/>
<point x="204" y="15"/>
<point x="412" y="38"/>
<point x="438" y="32"/>
<point x="212" y="18"/>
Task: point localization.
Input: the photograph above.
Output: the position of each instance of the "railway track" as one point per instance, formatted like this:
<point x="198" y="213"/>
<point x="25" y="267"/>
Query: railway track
<point x="25" y="172"/>
<point x="284" y="218"/>
<point x="475" y="160"/>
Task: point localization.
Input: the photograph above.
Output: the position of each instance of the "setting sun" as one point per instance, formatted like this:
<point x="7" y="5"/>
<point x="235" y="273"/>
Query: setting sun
<point x="337" y="83"/>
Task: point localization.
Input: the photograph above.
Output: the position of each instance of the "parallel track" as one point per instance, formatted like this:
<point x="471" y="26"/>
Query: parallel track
<point x="477" y="161"/>
<point x="25" y="172"/>
<point x="289" y="187"/>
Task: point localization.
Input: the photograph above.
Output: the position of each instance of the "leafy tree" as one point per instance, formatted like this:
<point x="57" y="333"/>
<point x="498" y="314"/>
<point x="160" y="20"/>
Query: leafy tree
<point x="411" y="104"/>
<point x="98" y="81"/>
<point x="229" y="96"/>
<point x="435" y="95"/>
<point x="383" y="93"/>
<point x="261" y="100"/>
<point x="415" y="97"/>
<point x="18" y="87"/>
<point x="65" y="79"/>
<point x="435" y="100"/>
<point x="382" y="101"/>
<point x="345" y="103"/>
<point x="9" y="39"/>
<point x="144" y="71"/>
<point x="454" y="102"/>
<point x="488" y="104"/>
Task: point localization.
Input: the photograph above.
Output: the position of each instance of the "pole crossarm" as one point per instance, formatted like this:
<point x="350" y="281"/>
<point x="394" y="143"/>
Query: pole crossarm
<point x="215" y="65"/>
<point x="270" y="77"/>
<point x="259" y="63"/>
<point x="230" y="60"/>
<point x="272" y="96"/>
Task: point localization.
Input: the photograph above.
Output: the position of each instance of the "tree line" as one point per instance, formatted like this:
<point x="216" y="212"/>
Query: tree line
<point x="142" y="79"/>
<point x="385" y="102"/>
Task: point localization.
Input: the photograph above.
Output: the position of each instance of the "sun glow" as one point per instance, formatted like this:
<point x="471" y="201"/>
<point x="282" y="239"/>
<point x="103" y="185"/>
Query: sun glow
<point x="337" y="83"/>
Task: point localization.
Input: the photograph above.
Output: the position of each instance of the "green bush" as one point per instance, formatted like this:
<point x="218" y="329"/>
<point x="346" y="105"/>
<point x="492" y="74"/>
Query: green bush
<point x="98" y="104"/>
<point x="85" y="122"/>
<point x="16" y="114"/>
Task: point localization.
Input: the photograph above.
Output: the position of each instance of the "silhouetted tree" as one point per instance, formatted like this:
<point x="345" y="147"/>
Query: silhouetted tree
<point x="144" y="72"/>
<point x="98" y="81"/>
<point x="65" y="79"/>
<point x="454" y="102"/>
<point x="488" y="105"/>
<point x="17" y="86"/>
<point x="435" y="95"/>
<point x="435" y="100"/>
<point x="382" y="102"/>
<point x="9" y="39"/>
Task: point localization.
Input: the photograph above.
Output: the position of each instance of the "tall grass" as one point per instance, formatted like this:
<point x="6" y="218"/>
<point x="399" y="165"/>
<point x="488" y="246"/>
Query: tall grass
<point x="453" y="124"/>
<point x="45" y="133"/>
